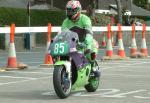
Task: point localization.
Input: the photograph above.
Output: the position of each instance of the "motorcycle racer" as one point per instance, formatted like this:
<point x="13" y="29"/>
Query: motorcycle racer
<point x="81" y="24"/>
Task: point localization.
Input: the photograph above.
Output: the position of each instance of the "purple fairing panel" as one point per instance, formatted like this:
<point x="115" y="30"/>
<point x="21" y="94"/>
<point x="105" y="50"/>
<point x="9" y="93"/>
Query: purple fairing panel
<point x="79" y="59"/>
<point x="72" y="46"/>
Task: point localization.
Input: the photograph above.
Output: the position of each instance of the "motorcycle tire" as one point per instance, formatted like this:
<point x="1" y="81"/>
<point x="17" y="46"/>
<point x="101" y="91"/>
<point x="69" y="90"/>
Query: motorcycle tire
<point x="62" y="85"/>
<point x="93" y="81"/>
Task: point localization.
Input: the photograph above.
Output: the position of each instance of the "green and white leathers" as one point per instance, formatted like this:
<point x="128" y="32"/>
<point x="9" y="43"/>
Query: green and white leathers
<point x="83" y="28"/>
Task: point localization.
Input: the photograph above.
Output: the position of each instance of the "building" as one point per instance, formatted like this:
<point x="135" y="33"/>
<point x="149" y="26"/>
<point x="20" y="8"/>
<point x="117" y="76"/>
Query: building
<point x="107" y="6"/>
<point x="103" y="6"/>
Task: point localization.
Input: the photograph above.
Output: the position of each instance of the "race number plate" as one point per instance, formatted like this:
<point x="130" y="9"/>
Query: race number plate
<point x="59" y="48"/>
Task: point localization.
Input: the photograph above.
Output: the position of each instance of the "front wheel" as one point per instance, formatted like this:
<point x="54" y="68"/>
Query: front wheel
<point x="62" y="84"/>
<point x="93" y="80"/>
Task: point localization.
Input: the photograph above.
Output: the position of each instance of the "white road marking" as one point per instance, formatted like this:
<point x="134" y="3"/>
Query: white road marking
<point x="49" y="93"/>
<point x="77" y="94"/>
<point x="107" y="93"/>
<point x="18" y="77"/>
<point x="127" y="75"/>
<point x="8" y="83"/>
<point x="121" y="95"/>
<point x="30" y="72"/>
<point x="126" y="65"/>
<point x="141" y="97"/>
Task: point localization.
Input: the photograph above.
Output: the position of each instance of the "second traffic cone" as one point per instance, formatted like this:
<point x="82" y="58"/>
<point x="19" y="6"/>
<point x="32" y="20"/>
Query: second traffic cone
<point x="121" y="51"/>
<point x="133" y="48"/>
<point x="12" y="61"/>
<point x="143" y="44"/>
<point x="109" y="49"/>
<point x="48" y="57"/>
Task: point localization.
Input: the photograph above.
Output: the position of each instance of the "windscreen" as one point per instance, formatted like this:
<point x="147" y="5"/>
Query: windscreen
<point x="65" y="36"/>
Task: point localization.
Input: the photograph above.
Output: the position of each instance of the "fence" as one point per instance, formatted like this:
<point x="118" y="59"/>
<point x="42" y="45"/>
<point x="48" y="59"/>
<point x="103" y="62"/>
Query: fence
<point x="129" y="30"/>
<point x="58" y="29"/>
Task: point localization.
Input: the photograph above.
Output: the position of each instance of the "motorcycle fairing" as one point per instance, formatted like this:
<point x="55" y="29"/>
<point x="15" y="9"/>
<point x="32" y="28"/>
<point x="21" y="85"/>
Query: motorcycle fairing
<point x="79" y="59"/>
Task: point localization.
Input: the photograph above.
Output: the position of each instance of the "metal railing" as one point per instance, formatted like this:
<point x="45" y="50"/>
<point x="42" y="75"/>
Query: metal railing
<point x="58" y="29"/>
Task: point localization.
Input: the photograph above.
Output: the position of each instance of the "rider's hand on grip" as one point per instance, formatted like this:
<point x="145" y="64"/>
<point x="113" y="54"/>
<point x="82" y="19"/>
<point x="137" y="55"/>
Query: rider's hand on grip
<point x="87" y="51"/>
<point x="81" y="45"/>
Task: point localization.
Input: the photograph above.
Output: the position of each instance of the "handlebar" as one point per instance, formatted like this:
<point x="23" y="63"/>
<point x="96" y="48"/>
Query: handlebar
<point x="81" y="45"/>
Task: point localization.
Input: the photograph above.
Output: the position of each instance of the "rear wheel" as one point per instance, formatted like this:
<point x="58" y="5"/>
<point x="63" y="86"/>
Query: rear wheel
<point x="61" y="82"/>
<point x="93" y="80"/>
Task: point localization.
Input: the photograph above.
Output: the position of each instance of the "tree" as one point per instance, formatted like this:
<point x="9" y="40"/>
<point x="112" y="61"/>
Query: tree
<point x="91" y="6"/>
<point x="140" y="3"/>
<point x="119" y="8"/>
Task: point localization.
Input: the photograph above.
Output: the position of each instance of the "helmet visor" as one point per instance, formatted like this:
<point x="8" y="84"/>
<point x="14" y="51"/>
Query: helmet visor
<point x="71" y="12"/>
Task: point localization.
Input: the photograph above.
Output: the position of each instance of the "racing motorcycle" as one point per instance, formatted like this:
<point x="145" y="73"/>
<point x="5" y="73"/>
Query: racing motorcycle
<point x="72" y="69"/>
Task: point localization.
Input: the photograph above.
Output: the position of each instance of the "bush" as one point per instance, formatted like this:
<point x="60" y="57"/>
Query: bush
<point x="38" y="17"/>
<point x="100" y="20"/>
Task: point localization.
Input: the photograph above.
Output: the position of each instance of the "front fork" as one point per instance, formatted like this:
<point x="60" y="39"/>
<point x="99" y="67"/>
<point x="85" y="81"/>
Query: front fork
<point x="67" y="65"/>
<point x="68" y="69"/>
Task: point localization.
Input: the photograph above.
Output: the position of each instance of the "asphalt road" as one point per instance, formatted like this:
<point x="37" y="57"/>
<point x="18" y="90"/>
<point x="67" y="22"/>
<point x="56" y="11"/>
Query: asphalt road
<point x="122" y="81"/>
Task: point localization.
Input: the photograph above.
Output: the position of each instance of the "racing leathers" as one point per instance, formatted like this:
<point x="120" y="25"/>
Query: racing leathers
<point x="82" y="27"/>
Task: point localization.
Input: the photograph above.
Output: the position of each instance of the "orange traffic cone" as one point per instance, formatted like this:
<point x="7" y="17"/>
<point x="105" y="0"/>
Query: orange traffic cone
<point x="48" y="57"/>
<point x="103" y="43"/>
<point x="12" y="61"/>
<point x="109" y="49"/>
<point x="121" y="51"/>
<point x="143" y="44"/>
<point x="133" y="48"/>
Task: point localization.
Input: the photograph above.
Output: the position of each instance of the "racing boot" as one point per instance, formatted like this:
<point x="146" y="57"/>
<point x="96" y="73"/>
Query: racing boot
<point x="91" y="56"/>
<point x="95" y="70"/>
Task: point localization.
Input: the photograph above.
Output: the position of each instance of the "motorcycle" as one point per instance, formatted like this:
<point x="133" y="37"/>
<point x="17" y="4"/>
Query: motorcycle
<point x="72" y="69"/>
